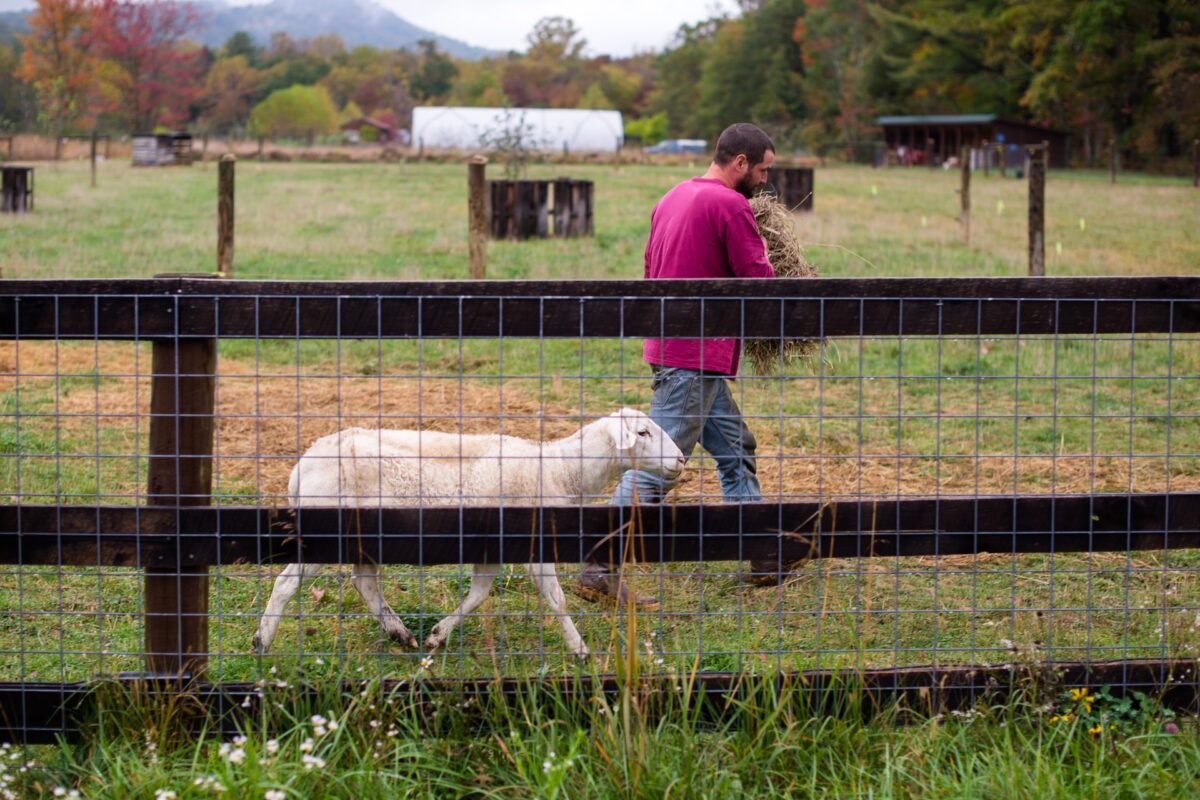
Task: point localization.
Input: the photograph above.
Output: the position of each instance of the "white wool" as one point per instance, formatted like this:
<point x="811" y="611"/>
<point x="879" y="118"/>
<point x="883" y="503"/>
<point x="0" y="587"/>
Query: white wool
<point x="368" y="467"/>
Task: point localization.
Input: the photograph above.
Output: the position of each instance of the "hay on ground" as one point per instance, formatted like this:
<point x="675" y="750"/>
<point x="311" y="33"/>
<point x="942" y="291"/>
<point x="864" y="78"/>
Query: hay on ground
<point x="778" y="229"/>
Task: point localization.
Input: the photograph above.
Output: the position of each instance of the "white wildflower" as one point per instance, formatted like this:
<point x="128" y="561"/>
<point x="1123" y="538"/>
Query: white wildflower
<point x="275" y="794"/>
<point x="272" y="746"/>
<point x="307" y="745"/>
<point x="165" y="794"/>
<point x="312" y="762"/>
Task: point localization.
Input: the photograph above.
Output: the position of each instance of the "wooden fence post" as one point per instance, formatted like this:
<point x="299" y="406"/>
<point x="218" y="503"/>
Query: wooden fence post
<point x="180" y="473"/>
<point x="987" y="157"/>
<point x="1037" y="211"/>
<point x="965" y="194"/>
<point x="1195" y="161"/>
<point x="477" y="223"/>
<point x="260" y="148"/>
<point x="93" y="159"/>
<point x="225" y="217"/>
<point x="1112" y="160"/>
<point x="1000" y="151"/>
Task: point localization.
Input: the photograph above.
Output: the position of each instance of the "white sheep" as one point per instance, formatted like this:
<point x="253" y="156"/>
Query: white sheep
<point x="367" y="468"/>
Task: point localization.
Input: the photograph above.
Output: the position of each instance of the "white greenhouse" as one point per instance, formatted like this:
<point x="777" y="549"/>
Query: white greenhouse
<point x="463" y="128"/>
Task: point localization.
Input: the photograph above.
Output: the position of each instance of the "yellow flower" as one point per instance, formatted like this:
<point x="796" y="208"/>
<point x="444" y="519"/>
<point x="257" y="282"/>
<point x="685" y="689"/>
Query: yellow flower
<point x="1096" y="731"/>
<point x="1078" y="694"/>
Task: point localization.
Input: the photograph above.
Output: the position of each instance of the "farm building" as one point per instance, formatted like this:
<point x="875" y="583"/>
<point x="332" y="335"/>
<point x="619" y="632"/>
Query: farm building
<point x="370" y="129"/>
<point x="161" y="149"/>
<point x="920" y="140"/>
<point x="573" y="130"/>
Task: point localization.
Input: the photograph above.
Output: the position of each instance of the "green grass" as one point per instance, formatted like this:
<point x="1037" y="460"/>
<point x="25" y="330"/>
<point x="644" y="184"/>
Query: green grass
<point x="408" y="221"/>
<point x="647" y="742"/>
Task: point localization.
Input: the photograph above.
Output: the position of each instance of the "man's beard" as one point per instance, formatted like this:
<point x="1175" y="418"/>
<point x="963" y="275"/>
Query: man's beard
<point x="746" y="186"/>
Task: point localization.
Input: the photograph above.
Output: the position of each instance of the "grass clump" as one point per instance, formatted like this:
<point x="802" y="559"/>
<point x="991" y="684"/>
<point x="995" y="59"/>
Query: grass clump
<point x="640" y="738"/>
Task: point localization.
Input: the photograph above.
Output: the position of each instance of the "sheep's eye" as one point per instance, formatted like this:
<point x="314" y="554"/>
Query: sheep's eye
<point x="644" y="432"/>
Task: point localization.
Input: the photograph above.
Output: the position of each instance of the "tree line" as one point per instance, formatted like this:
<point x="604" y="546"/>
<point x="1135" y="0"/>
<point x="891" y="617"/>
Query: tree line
<point x="815" y="73"/>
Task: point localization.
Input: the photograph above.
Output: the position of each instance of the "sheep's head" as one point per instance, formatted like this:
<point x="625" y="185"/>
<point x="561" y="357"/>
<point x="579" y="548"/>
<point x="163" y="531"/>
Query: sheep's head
<point x="642" y="444"/>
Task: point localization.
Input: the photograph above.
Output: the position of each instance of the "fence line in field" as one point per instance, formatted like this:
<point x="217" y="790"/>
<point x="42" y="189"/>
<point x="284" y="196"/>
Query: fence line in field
<point x="179" y="535"/>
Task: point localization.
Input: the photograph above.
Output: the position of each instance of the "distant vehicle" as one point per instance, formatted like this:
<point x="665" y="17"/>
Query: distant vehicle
<point x="678" y="146"/>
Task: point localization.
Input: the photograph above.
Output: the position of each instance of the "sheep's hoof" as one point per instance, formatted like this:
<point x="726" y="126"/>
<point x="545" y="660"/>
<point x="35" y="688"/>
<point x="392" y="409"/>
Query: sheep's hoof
<point x="435" y="640"/>
<point x="403" y="638"/>
<point x="257" y="644"/>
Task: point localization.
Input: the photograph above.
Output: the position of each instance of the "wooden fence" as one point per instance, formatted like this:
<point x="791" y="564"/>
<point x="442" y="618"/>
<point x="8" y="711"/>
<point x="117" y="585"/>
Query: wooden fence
<point x="180" y="535"/>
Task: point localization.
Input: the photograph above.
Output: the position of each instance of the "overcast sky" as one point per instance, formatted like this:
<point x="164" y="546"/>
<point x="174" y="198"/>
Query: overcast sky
<point x="615" y="27"/>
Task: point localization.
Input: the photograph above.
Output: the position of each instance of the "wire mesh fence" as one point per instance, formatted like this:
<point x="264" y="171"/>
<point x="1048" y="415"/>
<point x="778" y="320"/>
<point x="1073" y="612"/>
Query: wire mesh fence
<point x="970" y="473"/>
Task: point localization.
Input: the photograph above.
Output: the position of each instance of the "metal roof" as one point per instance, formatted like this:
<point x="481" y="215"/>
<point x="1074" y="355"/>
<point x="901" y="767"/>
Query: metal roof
<point x="939" y="119"/>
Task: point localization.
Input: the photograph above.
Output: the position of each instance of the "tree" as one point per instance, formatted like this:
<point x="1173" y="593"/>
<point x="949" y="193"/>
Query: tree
<point x="302" y="70"/>
<point x="296" y="111"/>
<point x="241" y="44"/>
<point x="555" y="39"/>
<point x="228" y="93"/>
<point x="18" y="106"/>
<point x="150" y="74"/>
<point x="478" y="85"/>
<point x="621" y="87"/>
<point x="594" y="98"/>
<point x="647" y="130"/>
<point x="677" y="90"/>
<point x="436" y="74"/>
<point x="58" y="61"/>
<point x="835" y="38"/>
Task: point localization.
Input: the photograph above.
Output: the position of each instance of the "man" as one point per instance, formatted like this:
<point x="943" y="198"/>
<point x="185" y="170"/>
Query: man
<point x="703" y="228"/>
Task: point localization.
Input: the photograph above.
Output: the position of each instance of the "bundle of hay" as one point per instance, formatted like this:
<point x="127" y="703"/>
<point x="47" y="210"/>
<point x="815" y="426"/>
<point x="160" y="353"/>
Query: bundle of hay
<point x="778" y="229"/>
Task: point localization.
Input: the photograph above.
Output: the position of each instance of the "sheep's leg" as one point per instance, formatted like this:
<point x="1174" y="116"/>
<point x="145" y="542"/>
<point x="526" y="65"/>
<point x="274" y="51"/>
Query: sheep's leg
<point x="366" y="580"/>
<point x="546" y="579"/>
<point x="286" y="586"/>
<point x="481" y="586"/>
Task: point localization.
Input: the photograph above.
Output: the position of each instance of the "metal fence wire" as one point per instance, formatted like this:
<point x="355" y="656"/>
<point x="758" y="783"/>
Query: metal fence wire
<point x="964" y="473"/>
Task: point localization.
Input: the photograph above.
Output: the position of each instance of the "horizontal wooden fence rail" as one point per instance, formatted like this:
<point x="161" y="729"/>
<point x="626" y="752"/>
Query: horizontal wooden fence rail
<point x="205" y="536"/>
<point x="39" y="713"/>
<point x="789" y="308"/>
<point x="177" y="538"/>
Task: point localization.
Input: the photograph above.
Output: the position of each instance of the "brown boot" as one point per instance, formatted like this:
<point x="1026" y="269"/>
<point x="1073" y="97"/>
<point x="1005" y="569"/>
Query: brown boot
<point x="597" y="586"/>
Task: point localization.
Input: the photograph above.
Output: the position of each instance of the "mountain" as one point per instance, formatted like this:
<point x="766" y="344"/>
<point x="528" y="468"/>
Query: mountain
<point x="12" y="25"/>
<point x="356" y="21"/>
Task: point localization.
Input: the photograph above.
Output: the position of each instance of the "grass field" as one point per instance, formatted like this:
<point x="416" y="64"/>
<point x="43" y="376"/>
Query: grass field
<point x="876" y="418"/>
<point x="408" y="221"/>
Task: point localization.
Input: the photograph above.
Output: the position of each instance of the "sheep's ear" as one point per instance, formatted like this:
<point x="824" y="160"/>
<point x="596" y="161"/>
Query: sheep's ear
<point x="622" y="426"/>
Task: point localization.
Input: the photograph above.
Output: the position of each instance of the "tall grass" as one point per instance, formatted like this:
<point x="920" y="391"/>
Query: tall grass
<point x="643" y="740"/>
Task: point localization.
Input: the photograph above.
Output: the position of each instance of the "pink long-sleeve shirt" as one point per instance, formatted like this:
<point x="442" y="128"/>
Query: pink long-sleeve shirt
<point x="702" y="229"/>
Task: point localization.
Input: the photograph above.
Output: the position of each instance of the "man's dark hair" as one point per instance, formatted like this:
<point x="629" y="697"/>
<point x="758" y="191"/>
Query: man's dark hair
<point x="742" y="138"/>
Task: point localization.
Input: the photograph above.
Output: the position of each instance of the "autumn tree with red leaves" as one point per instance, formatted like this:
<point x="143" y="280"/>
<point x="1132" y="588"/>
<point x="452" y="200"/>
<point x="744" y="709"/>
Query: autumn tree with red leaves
<point x="150" y="71"/>
<point x="57" y="61"/>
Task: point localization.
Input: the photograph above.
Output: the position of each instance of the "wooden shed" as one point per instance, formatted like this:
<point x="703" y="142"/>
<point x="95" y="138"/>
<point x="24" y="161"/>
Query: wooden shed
<point x="162" y="149"/>
<point x="384" y="132"/>
<point x="932" y="140"/>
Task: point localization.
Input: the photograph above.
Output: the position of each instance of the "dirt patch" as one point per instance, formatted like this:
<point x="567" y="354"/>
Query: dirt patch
<point x="267" y="416"/>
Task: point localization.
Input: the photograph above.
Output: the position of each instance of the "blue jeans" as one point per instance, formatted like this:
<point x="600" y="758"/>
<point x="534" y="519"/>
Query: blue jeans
<point x="697" y="407"/>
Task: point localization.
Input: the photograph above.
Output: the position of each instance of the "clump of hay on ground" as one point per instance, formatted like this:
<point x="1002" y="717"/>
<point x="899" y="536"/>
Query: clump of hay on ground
<point x="778" y="229"/>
